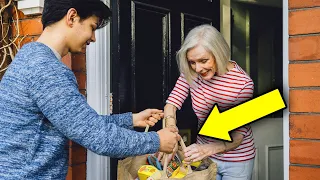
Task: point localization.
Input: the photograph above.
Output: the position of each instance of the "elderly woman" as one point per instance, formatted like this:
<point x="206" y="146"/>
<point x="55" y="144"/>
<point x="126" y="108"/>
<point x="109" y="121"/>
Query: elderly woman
<point x="208" y="74"/>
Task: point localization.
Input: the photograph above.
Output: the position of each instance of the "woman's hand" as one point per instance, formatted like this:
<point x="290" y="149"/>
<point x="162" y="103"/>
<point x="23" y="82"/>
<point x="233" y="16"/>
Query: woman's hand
<point x="197" y="152"/>
<point x="147" y="117"/>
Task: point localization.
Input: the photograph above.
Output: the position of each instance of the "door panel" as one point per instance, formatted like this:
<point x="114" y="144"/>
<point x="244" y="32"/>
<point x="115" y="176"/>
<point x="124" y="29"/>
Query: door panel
<point x="269" y="158"/>
<point x="150" y="42"/>
<point x="190" y="21"/>
<point x="146" y="35"/>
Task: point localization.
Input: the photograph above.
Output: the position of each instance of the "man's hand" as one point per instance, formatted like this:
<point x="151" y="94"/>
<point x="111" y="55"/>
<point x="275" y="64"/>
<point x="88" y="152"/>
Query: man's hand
<point x="147" y="117"/>
<point x="170" y="157"/>
<point x="168" y="139"/>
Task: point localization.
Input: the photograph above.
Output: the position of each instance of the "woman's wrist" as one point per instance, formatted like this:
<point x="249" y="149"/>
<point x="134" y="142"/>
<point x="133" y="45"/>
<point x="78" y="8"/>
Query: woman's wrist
<point x="225" y="147"/>
<point x="210" y="149"/>
<point x="170" y="121"/>
<point x="219" y="147"/>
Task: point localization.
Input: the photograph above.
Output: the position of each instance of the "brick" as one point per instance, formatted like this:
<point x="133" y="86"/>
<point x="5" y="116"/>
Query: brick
<point x="1" y="75"/>
<point x="79" y="62"/>
<point x="67" y="60"/>
<point x="81" y="79"/>
<point x="79" y="172"/>
<point x="303" y="3"/>
<point x="304" y="21"/>
<point x="6" y="62"/>
<point x="74" y="144"/>
<point x="28" y="27"/>
<point x="305" y="173"/>
<point x="305" y="126"/>
<point x="304" y="48"/>
<point x="21" y="16"/>
<point x="78" y="155"/>
<point x="84" y="50"/>
<point x="5" y="29"/>
<point x="22" y="41"/>
<point x="304" y="152"/>
<point x="18" y="15"/>
<point x="304" y="101"/>
<point x="83" y="92"/>
<point x="304" y="75"/>
<point x="69" y="174"/>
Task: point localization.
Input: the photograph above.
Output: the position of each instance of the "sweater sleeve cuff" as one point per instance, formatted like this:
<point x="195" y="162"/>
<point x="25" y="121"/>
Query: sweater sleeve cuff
<point x="155" y="139"/>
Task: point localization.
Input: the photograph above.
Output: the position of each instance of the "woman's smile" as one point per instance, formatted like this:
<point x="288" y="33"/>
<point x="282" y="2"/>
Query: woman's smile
<point x="203" y="74"/>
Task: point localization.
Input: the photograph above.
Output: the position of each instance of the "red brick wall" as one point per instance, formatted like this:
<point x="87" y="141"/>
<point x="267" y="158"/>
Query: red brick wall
<point x="32" y="27"/>
<point x="304" y="83"/>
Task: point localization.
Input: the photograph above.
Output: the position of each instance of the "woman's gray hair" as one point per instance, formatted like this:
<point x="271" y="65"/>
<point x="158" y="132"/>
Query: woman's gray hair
<point x="212" y="40"/>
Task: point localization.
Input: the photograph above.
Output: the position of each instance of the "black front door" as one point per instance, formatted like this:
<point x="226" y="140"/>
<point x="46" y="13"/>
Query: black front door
<point x="145" y="37"/>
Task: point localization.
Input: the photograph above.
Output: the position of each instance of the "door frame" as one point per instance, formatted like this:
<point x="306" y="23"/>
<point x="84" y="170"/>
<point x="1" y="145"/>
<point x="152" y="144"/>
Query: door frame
<point x="285" y="74"/>
<point x="99" y="94"/>
<point x="98" y="90"/>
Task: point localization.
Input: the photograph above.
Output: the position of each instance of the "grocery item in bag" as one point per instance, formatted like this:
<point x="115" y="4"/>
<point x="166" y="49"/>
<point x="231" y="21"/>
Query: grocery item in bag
<point x="148" y="172"/>
<point x="173" y="165"/>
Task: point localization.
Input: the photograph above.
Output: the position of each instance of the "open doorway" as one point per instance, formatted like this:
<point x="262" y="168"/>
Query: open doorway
<point x="256" y="44"/>
<point x="151" y="33"/>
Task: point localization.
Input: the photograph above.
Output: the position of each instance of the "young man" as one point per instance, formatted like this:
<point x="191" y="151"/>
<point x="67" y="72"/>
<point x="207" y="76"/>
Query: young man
<point x="41" y="107"/>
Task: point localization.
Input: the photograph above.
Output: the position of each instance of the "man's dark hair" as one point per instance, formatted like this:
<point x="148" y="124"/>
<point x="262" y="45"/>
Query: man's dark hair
<point x="55" y="10"/>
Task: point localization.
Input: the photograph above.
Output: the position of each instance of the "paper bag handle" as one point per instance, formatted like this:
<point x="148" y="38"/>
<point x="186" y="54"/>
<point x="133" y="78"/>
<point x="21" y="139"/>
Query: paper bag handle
<point x="165" y="156"/>
<point x="183" y="145"/>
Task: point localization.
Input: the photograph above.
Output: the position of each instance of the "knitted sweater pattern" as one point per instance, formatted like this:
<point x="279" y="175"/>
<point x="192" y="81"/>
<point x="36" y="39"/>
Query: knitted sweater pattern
<point x="41" y="108"/>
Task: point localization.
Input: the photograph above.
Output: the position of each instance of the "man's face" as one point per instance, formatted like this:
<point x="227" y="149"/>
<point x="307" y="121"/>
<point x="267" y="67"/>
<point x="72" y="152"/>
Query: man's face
<point x="83" y="33"/>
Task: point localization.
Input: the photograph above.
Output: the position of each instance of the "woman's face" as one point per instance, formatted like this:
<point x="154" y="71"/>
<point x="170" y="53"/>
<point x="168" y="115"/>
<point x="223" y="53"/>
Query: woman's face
<point x="202" y="62"/>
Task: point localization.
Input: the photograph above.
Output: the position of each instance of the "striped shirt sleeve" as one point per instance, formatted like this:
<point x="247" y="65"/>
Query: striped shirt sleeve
<point x="179" y="93"/>
<point x="245" y="94"/>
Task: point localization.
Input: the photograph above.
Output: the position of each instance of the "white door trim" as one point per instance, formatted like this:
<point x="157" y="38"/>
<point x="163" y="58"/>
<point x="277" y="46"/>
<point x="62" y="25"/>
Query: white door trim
<point x="98" y="95"/>
<point x="269" y="148"/>
<point x="255" y="172"/>
<point x="285" y="89"/>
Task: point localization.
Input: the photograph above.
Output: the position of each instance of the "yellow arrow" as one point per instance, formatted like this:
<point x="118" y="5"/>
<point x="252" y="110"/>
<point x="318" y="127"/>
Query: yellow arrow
<point x="219" y="124"/>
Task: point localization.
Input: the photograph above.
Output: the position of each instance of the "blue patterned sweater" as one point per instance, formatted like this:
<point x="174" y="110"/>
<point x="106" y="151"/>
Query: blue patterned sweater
<point x="41" y="108"/>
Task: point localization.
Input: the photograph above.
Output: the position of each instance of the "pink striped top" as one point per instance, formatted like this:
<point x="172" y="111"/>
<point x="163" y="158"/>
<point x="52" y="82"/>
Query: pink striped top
<point x="227" y="91"/>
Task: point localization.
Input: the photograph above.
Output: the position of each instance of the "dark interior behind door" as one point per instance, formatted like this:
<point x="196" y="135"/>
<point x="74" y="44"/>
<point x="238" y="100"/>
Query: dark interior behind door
<point x="145" y="37"/>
